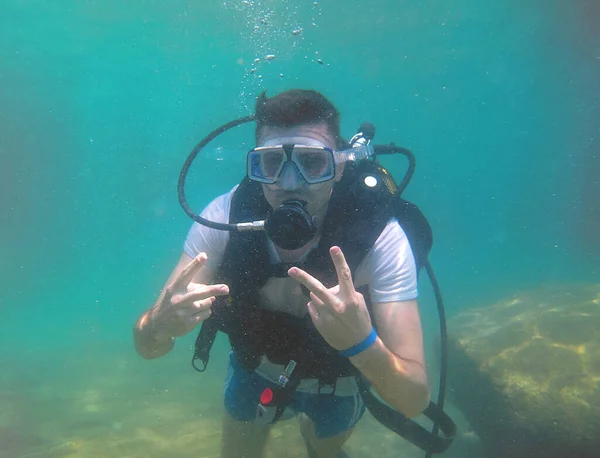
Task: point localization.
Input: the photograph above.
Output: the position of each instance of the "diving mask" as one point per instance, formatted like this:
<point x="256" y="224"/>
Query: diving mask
<point x="316" y="164"/>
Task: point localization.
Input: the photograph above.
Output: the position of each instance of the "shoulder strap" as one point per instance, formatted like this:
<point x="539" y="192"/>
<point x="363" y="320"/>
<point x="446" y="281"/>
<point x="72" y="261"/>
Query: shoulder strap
<point x="356" y="217"/>
<point x="417" y="229"/>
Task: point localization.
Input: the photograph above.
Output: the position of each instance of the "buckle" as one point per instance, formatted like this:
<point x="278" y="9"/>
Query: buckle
<point x="326" y="388"/>
<point x="268" y="409"/>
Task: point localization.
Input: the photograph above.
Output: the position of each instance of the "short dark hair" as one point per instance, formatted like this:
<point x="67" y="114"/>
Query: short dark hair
<point x="295" y="107"/>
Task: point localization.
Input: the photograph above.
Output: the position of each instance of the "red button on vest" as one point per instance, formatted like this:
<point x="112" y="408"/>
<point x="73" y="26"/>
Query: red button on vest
<point x="266" y="397"/>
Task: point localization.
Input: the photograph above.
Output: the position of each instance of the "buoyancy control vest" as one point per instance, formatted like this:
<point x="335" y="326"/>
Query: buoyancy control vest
<point x="357" y="214"/>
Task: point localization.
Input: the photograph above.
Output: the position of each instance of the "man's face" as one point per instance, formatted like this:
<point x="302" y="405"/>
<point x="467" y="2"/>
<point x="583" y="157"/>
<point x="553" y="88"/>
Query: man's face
<point x="291" y="184"/>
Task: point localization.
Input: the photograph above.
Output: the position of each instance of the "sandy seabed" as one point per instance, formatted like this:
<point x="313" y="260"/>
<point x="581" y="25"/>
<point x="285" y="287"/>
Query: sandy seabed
<point x="113" y="404"/>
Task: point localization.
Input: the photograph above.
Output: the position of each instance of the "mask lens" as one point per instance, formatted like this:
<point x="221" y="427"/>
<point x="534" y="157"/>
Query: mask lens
<point x="316" y="164"/>
<point x="265" y="164"/>
<point x="270" y="162"/>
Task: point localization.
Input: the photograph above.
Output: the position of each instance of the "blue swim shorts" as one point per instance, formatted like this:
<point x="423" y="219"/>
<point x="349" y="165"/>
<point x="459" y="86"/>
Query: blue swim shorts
<point x="332" y="414"/>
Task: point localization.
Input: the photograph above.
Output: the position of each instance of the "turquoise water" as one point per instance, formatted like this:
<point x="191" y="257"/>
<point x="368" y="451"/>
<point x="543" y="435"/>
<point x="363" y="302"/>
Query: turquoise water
<point x="100" y="102"/>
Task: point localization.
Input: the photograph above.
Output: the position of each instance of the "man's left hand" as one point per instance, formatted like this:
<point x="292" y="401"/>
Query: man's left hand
<point x="339" y="313"/>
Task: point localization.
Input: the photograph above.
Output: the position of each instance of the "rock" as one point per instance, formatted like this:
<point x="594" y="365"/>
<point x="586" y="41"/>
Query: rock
<point x="526" y="372"/>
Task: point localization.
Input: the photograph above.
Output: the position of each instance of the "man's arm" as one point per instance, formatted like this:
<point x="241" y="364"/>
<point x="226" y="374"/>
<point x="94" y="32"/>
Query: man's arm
<point x="395" y="363"/>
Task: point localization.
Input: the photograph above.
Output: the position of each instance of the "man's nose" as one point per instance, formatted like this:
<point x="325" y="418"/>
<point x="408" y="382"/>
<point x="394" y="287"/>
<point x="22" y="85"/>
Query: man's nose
<point x="290" y="177"/>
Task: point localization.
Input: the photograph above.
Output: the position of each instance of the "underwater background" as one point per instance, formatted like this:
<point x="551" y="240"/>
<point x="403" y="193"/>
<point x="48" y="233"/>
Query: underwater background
<point x="101" y="101"/>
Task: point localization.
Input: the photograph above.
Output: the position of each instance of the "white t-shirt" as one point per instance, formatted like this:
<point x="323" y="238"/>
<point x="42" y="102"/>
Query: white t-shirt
<point x="388" y="268"/>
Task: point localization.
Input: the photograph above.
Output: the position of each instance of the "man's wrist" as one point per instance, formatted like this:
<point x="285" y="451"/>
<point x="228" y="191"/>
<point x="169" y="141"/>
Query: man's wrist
<point x="153" y="330"/>
<point x="360" y="347"/>
<point x="363" y="360"/>
<point x="148" y="342"/>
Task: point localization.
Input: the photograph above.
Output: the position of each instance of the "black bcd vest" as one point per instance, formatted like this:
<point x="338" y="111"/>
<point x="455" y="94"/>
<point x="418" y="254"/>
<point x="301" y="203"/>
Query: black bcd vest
<point x="356" y="216"/>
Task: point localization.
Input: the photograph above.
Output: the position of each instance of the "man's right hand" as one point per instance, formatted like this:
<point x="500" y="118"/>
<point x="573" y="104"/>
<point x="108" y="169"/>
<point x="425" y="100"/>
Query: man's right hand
<point x="186" y="304"/>
<point x="181" y="306"/>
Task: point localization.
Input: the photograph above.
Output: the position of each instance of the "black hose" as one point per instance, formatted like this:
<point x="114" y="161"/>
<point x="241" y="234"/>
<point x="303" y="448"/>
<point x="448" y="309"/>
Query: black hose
<point x="393" y="149"/>
<point x="443" y="344"/>
<point x="186" y="166"/>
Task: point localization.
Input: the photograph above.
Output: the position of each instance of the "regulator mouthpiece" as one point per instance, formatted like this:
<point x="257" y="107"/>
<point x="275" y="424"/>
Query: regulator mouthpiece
<point x="290" y="226"/>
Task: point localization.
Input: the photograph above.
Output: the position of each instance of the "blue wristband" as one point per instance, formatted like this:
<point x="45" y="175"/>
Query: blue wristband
<point x="361" y="346"/>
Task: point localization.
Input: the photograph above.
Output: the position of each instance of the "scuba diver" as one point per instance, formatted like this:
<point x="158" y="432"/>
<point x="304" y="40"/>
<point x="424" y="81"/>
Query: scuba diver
<point x="310" y="267"/>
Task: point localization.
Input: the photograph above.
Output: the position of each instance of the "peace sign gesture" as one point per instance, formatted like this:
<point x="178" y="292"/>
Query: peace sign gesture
<point x="339" y="313"/>
<point x="185" y="304"/>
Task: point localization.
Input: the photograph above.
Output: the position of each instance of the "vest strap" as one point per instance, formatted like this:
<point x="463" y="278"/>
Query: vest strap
<point x="204" y="342"/>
